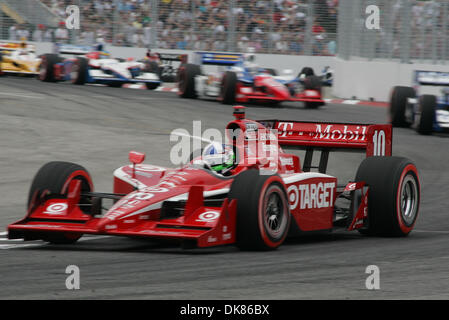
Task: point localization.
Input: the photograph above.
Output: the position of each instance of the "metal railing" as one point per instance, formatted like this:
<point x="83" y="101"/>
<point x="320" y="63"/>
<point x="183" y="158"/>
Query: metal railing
<point x="409" y="31"/>
<point x="301" y="27"/>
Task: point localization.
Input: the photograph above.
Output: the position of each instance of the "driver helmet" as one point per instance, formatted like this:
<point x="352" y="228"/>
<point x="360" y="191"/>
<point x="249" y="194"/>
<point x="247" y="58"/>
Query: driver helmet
<point x="219" y="157"/>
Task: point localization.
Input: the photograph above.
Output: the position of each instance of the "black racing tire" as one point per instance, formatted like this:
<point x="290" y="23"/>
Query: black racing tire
<point x="228" y="87"/>
<point x="306" y="71"/>
<point x="313" y="83"/>
<point x="1" y="60"/>
<point x="151" y="86"/>
<point x="427" y="106"/>
<point x="78" y="74"/>
<point x="394" y="195"/>
<point x="51" y="181"/>
<point x="258" y="228"/>
<point x="47" y="67"/>
<point x="271" y="71"/>
<point x="312" y="104"/>
<point x="115" y="84"/>
<point x="186" y="80"/>
<point x="168" y="78"/>
<point x="398" y="103"/>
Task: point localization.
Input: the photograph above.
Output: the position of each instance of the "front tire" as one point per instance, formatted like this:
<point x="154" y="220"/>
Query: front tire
<point x="151" y="86"/>
<point x="263" y="216"/>
<point x="186" y="80"/>
<point x="427" y="106"/>
<point x="228" y="87"/>
<point x="398" y="103"/>
<point x="47" y="67"/>
<point x="52" y="180"/>
<point x="394" y="195"/>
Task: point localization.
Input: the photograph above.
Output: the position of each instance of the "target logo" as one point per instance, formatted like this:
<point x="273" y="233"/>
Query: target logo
<point x="208" y="216"/>
<point x="56" y="208"/>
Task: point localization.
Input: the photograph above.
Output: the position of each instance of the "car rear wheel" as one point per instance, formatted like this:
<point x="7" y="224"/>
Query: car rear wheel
<point x="427" y="106"/>
<point x="47" y="67"/>
<point x="52" y="181"/>
<point x="186" y="80"/>
<point x="228" y="88"/>
<point x="263" y="216"/>
<point x="398" y="104"/>
<point x="78" y="73"/>
<point x="307" y="72"/>
<point x="394" y="195"/>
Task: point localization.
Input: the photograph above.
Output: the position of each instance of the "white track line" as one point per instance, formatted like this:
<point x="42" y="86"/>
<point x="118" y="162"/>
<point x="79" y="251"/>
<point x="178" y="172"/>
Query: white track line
<point x="4" y="233"/>
<point x="21" y="95"/>
<point x="24" y="245"/>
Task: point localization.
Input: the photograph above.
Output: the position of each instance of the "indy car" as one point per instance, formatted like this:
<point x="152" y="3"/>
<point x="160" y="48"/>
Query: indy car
<point x="253" y="194"/>
<point x="18" y="59"/>
<point x="84" y="64"/>
<point x="238" y="79"/>
<point x="426" y="113"/>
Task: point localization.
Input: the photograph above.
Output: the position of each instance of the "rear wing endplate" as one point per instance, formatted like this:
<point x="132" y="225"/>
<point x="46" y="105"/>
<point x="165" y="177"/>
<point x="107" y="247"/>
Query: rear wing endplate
<point x="216" y="58"/>
<point x="431" y="78"/>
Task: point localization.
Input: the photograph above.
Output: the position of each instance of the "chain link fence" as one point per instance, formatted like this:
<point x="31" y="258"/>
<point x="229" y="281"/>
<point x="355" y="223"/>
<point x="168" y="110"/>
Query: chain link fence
<point x="409" y="31"/>
<point x="300" y="27"/>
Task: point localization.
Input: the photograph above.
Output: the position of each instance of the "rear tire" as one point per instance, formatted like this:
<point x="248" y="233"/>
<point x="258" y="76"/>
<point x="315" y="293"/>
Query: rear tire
<point x="78" y="74"/>
<point x="306" y="71"/>
<point x="228" y="87"/>
<point x="427" y="106"/>
<point x="394" y="195"/>
<point x="398" y="103"/>
<point x="263" y="216"/>
<point x="186" y="80"/>
<point x="313" y="83"/>
<point x="52" y="180"/>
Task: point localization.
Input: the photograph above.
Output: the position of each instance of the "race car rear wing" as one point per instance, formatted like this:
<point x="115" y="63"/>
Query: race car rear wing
<point x="373" y="139"/>
<point x="216" y="58"/>
<point x="13" y="46"/>
<point x="431" y="78"/>
<point x="72" y="49"/>
<point x="173" y="57"/>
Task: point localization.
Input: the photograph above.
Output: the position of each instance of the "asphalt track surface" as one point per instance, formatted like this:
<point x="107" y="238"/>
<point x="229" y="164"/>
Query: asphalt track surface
<point x="97" y="126"/>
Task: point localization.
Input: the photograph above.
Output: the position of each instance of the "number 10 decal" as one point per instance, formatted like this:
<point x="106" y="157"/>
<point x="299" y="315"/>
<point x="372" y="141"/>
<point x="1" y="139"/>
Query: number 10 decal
<point x="379" y="143"/>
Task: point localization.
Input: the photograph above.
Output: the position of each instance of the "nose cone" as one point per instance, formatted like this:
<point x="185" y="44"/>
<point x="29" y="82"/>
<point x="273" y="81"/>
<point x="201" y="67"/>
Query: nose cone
<point x="281" y="92"/>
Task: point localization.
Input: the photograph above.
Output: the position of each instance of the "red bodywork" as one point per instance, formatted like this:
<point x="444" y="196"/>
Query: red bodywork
<point x="191" y="203"/>
<point x="266" y="88"/>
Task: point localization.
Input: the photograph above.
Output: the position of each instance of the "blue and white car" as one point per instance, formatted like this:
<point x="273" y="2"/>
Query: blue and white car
<point x="85" y="64"/>
<point x="425" y="112"/>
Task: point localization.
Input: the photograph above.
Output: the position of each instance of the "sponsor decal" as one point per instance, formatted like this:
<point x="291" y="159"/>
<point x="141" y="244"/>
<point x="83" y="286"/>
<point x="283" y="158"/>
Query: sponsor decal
<point x="59" y="208"/>
<point x="208" y="216"/>
<point x="311" y="196"/>
<point x="286" y="161"/>
<point x="332" y="133"/>
<point x="212" y="239"/>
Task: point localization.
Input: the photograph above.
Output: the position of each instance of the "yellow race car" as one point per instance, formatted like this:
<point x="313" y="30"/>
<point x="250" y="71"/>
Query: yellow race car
<point x="18" y="58"/>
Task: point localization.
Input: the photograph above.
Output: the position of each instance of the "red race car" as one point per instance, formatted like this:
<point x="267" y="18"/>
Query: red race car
<point x="238" y="79"/>
<point x="235" y="193"/>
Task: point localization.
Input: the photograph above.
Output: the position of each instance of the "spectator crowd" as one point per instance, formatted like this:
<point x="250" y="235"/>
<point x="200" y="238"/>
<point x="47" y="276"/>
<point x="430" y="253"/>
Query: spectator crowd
<point x="275" y="26"/>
